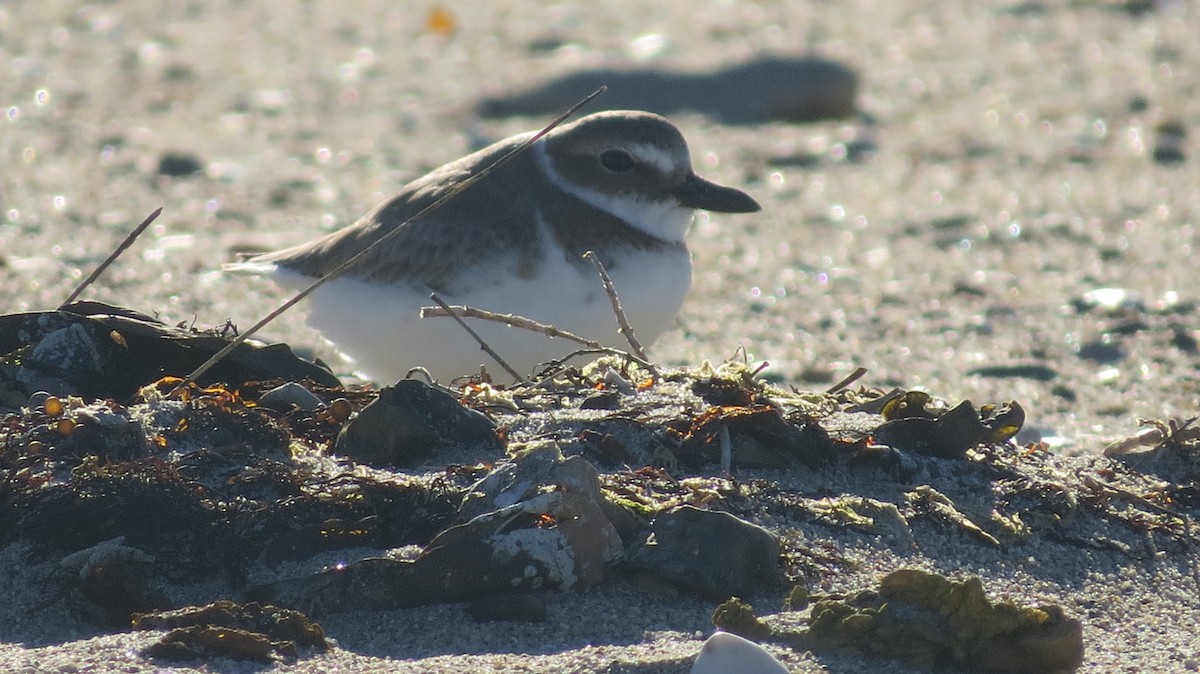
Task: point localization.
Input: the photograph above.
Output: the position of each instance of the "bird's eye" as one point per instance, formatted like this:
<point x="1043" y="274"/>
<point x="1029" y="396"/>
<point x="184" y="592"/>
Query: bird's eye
<point x="617" y="161"/>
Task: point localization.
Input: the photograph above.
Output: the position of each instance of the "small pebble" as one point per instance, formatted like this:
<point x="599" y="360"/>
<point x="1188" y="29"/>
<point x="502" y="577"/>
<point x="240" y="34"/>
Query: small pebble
<point x="179" y="164"/>
<point x="283" y="398"/>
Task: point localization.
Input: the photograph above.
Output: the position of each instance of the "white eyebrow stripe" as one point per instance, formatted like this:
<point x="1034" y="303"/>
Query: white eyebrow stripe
<point x="664" y="219"/>
<point x="653" y="155"/>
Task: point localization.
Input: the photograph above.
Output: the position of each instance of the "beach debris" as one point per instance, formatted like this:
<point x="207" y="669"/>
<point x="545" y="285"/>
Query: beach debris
<point x="1177" y="437"/>
<point x="912" y="427"/>
<point x="925" y="619"/>
<point x="105" y="553"/>
<point x="926" y="500"/>
<point x="290" y="394"/>
<point x="796" y="89"/>
<point x="932" y="620"/>
<point x="865" y="513"/>
<point x="798" y="598"/>
<point x="203" y="484"/>
<point x="708" y="553"/>
<point x="532" y="472"/>
<point x="410" y="421"/>
<point x="544" y="534"/>
<point x="112" y="583"/>
<point x="605" y="448"/>
<point x="726" y="653"/>
<point x="1151" y="436"/>
<point x="198" y="642"/>
<point x="217" y="486"/>
<point x="759" y="437"/>
<point x="226" y="629"/>
<point x="96" y="350"/>
<point x="736" y="616"/>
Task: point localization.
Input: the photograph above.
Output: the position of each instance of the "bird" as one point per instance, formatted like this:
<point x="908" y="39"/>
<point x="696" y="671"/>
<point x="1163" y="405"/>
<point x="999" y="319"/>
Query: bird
<point x="618" y="183"/>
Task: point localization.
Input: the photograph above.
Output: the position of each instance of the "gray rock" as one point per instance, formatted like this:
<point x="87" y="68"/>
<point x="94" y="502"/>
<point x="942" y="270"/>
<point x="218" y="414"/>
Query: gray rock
<point x="713" y="554"/>
<point x="410" y="421"/>
<point x="551" y="534"/>
<point x="284" y="397"/>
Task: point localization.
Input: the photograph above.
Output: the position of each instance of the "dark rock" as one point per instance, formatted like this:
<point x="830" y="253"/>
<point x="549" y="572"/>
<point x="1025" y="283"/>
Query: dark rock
<point x="605" y="447"/>
<point x="713" y="554"/>
<point x="759" y="436"/>
<point x="179" y="164"/>
<point x="410" y="421"/>
<point x="1184" y="339"/>
<point x="602" y="400"/>
<point x="96" y="350"/>
<point x="1102" y="351"/>
<point x="1139" y="104"/>
<point x="1169" y="151"/>
<point x="542" y="528"/>
<point x="1170" y="142"/>
<point x="1129" y="325"/>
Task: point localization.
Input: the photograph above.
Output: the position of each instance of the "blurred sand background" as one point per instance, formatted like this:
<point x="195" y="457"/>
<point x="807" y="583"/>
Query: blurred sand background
<point x="1010" y="157"/>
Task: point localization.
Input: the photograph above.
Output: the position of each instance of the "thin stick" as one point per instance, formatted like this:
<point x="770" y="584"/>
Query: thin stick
<point x="511" y="320"/>
<point x="622" y="322"/>
<point x="517" y="321"/>
<point x="340" y="269"/>
<point x="113" y="256"/>
<point x="482" y="344"/>
<point x="848" y="380"/>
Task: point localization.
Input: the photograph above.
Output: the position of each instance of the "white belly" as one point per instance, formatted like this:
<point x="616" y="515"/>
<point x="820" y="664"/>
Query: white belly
<point x="379" y="327"/>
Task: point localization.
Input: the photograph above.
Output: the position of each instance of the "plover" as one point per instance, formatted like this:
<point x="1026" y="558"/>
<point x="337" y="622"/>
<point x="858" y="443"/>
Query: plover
<point x="618" y="183"/>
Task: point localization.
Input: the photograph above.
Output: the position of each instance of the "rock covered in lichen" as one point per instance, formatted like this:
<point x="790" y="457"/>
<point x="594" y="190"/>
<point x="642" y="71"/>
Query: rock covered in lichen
<point x="932" y="620"/>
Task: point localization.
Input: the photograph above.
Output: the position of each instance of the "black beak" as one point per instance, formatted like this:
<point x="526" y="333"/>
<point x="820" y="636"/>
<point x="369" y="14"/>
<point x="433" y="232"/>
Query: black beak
<point x="696" y="192"/>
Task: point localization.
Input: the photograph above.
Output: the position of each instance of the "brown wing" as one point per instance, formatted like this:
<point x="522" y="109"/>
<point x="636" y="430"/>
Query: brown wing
<point x="490" y="216"/>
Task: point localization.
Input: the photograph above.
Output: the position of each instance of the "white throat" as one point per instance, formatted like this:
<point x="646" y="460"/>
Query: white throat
<point x="664" y="219"/>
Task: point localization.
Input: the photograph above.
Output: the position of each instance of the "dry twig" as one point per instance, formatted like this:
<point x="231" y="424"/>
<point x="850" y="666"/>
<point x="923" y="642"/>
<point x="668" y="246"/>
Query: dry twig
<point x="511" y="320"/>
<point x="516" y="321"/>
<point x="482" y="344"/>
<point x="848" y="380"/>
<point x="622" y="322"/>
<point x="113" y="256"/>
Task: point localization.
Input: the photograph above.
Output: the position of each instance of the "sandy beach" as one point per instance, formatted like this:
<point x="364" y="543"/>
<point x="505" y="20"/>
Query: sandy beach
<point x="1011" y="215"/>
